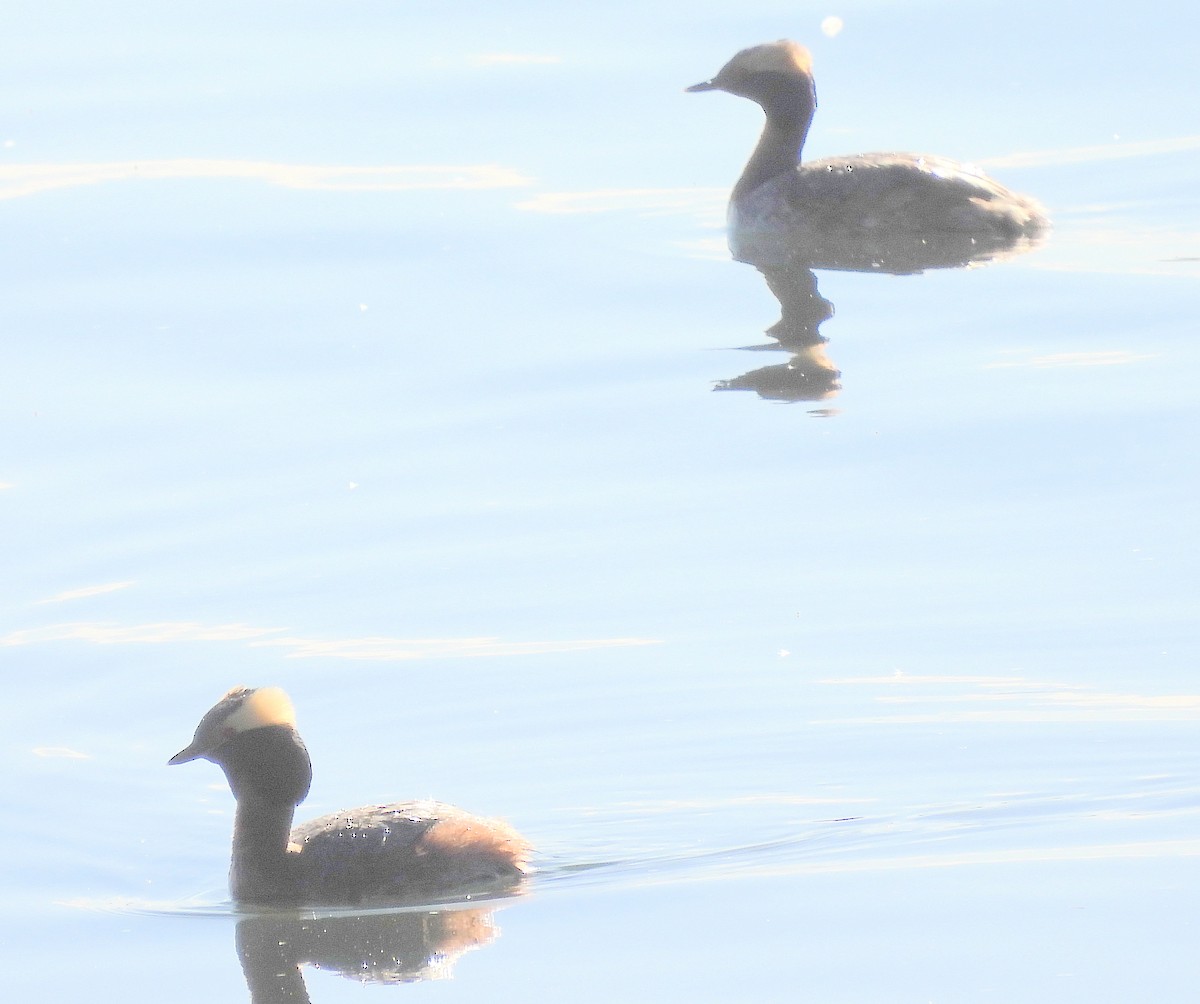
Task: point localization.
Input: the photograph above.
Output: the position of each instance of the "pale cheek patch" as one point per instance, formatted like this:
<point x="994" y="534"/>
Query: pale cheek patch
<point x="775" y="57"/>
<point x="266" y="706"/>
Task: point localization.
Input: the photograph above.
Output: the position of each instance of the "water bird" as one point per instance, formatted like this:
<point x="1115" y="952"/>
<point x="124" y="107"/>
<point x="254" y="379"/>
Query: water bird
<point x="402" y="852"/>
<point x="836" y="200"/>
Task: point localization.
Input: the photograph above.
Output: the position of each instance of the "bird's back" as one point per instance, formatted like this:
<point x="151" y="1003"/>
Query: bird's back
<point x="891" y="212"/>
<point x="902" y="192"/>
<point x="405" y="851"/>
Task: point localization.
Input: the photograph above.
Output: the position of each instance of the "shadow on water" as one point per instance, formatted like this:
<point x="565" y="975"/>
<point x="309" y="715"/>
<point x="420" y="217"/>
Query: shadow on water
<point x="789" y="264"/>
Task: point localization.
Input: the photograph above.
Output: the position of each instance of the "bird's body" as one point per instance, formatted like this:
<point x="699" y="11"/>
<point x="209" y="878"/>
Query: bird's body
<point x="873" y="192"/>
<point x="404" y="850"/>
<point x="378" y="853"/>
<point x="861" y="194"/>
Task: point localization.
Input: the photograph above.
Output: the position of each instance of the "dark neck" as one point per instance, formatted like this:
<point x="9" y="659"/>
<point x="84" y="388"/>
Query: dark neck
<point x="261" y="870"/>
<point x="789" y="103"/>
<point x="269" y="771"/>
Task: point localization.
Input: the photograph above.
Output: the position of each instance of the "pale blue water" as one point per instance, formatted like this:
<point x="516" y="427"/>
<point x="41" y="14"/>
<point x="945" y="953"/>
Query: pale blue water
<point x="368" y="351"/>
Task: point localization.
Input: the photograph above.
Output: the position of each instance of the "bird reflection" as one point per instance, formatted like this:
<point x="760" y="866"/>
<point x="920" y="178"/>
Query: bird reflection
<point x="788" y="264"/>
<point x="381" y="948"/>
<point x="808" y="375"/>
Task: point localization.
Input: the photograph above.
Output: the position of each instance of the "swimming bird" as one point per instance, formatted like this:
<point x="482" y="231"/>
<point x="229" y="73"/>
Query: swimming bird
<point x="865" y="194"/>
<point x="378" y="853"/>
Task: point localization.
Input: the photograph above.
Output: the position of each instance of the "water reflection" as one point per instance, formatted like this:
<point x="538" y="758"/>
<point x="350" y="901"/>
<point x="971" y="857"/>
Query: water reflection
<point x="788" y="262"/>
<point x="378" y="948"/>
<point x="808" y="375"/>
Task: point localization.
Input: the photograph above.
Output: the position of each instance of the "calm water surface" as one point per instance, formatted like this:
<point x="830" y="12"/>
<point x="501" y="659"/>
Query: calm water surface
<point x="370" y="352"/>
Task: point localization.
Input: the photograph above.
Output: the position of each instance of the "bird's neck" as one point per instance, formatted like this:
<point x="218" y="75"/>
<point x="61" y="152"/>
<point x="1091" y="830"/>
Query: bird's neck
<point x="788" y="103"/>
<point x="262" y="870"/>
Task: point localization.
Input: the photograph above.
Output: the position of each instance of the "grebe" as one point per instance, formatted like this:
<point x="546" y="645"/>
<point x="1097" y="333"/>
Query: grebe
<point x="860" y="194"/>
<point x="381" y="853"/>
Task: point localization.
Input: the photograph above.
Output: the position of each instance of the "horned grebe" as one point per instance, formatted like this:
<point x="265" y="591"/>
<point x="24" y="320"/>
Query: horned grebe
<point x="864" y="193"/>
<point x="379" y="853"/>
